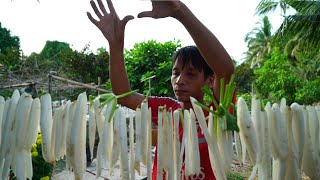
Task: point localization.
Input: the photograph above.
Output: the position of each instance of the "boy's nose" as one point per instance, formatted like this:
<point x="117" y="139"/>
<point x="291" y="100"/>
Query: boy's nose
<point x="180" y="79"/>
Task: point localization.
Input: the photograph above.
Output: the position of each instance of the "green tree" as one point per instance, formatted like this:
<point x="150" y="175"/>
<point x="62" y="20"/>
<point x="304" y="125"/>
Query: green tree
<point x="85" y="66"/>
<point x="9" y="50"/>
<point x="148" y="59"/>
<point x="55" y="52"/>
<point x="259" y="43"/>
<point x="277" y="78"/>
<point x="7" y="40"/>
<point x="244" y="78"/>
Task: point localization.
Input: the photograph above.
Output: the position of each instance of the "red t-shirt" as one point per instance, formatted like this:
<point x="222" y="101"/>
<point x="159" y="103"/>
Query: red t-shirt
<point x="206" y="170"/>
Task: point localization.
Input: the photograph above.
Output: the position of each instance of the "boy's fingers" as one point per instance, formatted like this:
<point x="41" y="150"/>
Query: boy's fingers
<point x="103" y="9"/>
<point x="95" y="9"/>
<point x="126" y="19"/>
<point x="92" y="19"/>
<point x="110" y="5"/>
<point x="146" y="14"/>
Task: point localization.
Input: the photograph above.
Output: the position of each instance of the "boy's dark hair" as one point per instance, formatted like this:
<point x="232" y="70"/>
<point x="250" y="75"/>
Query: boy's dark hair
<point x="192" y="55"/>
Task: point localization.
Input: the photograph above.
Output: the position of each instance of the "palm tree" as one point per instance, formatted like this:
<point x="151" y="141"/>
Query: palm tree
<point x="301" y="30"/>
<point x="267" y="6"/>
<point x="259" y="43"/>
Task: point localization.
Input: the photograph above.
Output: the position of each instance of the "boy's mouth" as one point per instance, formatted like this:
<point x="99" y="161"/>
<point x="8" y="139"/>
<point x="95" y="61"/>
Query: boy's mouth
<point x="180" y="92"/>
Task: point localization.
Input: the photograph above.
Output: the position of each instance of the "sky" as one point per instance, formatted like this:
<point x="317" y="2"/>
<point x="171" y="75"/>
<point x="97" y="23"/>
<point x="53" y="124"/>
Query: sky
<point x="66" y="21"/>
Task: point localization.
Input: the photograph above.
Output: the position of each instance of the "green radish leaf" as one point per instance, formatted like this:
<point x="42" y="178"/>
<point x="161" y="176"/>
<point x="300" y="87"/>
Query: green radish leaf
<point x="181" y="117"/>
<point x="206" y="108"/>
<point x="232" y="122"/>
<point x="114" y="108"/>
<point x="126" y="94"/>
<point x="107" y="101"/>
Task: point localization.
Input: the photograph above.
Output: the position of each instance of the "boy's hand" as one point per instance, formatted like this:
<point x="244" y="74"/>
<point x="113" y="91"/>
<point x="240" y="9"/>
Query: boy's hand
<point x="162" y="9"/>
<point x="109" y="23"/>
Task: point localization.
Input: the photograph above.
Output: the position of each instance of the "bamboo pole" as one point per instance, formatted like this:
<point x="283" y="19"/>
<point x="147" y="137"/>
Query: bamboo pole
<point x="17" y="85"/>
<point x="68" y="81"/>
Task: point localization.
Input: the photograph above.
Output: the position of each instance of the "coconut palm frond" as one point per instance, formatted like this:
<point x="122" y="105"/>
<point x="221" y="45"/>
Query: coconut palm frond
<point x="266" y="6"/>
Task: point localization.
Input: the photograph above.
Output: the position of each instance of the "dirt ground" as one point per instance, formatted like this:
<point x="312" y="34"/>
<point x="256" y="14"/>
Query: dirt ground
<point x="237" y="166"/>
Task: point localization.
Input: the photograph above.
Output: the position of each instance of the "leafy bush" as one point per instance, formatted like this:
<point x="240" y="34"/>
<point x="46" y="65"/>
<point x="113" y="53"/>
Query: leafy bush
<point x="41" y="169"/>
<point x="310" y="93"/>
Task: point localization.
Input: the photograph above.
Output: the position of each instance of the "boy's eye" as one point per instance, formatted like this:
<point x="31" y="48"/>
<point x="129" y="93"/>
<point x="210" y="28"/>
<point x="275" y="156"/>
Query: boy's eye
<point x="174" y="73"/>
<point x="191" y="74"/>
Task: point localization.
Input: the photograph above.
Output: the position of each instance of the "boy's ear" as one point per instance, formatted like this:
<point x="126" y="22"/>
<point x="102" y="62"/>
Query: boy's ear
<point x="211" y="81"/>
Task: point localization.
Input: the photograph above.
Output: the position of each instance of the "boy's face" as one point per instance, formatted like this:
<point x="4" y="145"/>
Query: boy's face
<point x="187" y="81"/>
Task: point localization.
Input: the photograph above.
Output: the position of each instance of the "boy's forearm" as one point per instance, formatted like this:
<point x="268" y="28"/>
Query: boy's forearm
<point x="117" y="71"/>
<point x="119" y="78"/>
<point x="209" y="46"/>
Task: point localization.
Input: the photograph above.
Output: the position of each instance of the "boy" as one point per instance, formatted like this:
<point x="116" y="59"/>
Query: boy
<point x="193" y="67"/>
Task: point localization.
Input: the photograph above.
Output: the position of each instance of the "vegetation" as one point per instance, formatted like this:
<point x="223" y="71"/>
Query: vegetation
<point x="286" y="63"/>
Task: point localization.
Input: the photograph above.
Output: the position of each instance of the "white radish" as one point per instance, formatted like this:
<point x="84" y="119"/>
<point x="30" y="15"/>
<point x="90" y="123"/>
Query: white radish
<point x="194" y="145"/>
<point x="92" y="131"/>
<point x="215" y="159"/>
<point x="149" y="146"/>
<point x="33" y="125"/>
<point x="237" y="144"/>
<point x="279" y="139"/>
<point x="186" y="131"/>
<point x="298" y="128"/>
<point x="2" y="102"/>
<point x="22" y="119"/>
<point x="159" y="147"/>
<point x="46" y="123"/>
<point x="71" y="130"/>
<point x="246" y="129"/>
<point x="310" y="163"/>
<point x="124" y="166"/>
<point x="293" y="169"/>
<point x="264" y="168"/>
<point x="170" y="145"/>
<point x="78" y="138"/>
<point x="98" y="116"/>
<point x="144" y="118"/>
<point x="131" y="142"/>
<point x="165" y="144"/>
<point x="116" y="141"/>
<point x="5" y="116"/>
<point x="257" y="124"/>
<point x="138" y="140"/>
<point x="176" y="144"/>
<point x="59" y="132"/>
<point x="9" y="123"/>
<point x="314" y="129"/>
<point x="64" y="126"/>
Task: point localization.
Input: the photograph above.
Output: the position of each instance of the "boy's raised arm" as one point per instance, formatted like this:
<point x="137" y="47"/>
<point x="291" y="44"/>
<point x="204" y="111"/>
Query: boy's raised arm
<point x="209" y="46"/>
<point x="113" y="30"/>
